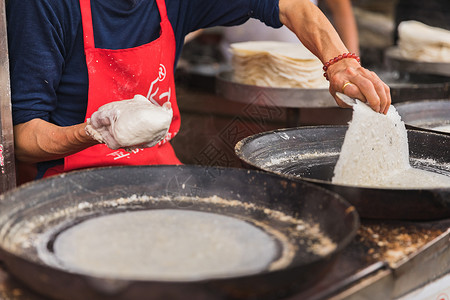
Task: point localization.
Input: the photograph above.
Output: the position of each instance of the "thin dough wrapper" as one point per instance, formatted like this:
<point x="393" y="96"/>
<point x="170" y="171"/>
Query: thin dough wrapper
<point x="375" y="153"/>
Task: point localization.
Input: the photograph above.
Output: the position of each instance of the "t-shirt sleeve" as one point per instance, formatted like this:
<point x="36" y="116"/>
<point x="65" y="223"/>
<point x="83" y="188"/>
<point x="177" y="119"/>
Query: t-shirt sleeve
<point x="267" y="11"/>
<point x="35" y="41"/>
<point x="230" y="12"/>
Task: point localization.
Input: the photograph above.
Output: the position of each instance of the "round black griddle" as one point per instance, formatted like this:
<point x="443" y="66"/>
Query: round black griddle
<point x="273" y="203"/>
<point x="310" y="153"/>
<point x="425" y="115"/>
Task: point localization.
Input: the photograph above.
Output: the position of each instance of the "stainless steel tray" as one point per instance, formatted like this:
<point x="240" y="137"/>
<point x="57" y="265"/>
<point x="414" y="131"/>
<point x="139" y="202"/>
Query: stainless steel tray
<point x="404" y="87"/>
<point x="269" y="96"/>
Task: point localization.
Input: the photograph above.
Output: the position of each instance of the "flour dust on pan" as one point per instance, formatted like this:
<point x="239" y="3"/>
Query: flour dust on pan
<point x="165" y="244"/>
<point x="277" y="237"/>
<point x="177" y="244"/>
<point x="311" y="154"/>
<point x="375" y="154"/>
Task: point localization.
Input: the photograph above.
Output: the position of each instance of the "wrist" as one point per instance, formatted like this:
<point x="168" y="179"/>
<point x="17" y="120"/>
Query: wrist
<point x="84" y="137"/>
<point x="342" y="59"/>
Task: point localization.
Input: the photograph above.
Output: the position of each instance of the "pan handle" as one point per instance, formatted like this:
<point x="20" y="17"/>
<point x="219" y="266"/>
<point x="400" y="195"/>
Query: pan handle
<point x="7" y="161"/>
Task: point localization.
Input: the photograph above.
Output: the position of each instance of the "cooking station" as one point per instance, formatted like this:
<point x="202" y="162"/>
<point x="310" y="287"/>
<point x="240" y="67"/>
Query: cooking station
<point x="362" y="271"/>
<point x="385" y="260"/>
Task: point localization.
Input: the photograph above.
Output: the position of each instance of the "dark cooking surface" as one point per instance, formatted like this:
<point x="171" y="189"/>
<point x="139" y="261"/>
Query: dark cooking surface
<point x="360" y="260"/>
<point x="59" y="202"/>
<point x="426" y="114"/>
<point x="310" y="154"/>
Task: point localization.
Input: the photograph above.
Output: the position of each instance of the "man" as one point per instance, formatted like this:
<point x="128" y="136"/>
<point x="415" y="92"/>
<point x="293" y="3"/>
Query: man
<point x="70" y="57"/>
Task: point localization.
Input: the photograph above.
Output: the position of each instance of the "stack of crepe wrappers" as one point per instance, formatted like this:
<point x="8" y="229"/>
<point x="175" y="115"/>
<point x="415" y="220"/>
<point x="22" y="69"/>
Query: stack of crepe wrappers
<point x="277" y="64"/>
<point x="421" y="42"/>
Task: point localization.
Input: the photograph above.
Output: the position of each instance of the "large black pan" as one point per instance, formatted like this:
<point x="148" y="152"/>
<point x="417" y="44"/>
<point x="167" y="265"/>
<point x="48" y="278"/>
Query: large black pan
<point x="271" y="202"/>
<point x="425" y="115"/>
<point x="310" y="154"/>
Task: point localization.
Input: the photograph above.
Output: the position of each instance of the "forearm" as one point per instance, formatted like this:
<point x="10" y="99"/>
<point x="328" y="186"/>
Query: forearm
<point x="38" y="140"/>
<point x="312" y="28"/>
<point x="315" y="31"/>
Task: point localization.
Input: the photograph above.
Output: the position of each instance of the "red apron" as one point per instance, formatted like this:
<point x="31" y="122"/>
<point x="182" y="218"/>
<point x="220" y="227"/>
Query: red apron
<point x="120" y="74"/>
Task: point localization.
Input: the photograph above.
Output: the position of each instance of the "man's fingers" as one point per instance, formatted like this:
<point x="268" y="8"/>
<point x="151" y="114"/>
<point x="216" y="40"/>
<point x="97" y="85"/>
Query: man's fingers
<point x="349" y="89"/>
<point x="365" y="91"/>
<point x="387" y="91"/>
<point x="366" y="86"/>
<point x="353" y="91"/>
<point x="110" y="141"/>
<point x="100" y="119"/>
<point x="381" y="89"/>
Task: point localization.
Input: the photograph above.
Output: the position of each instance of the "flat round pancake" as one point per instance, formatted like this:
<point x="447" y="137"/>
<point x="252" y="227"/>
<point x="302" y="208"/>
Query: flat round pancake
<point x="165" y="244"/>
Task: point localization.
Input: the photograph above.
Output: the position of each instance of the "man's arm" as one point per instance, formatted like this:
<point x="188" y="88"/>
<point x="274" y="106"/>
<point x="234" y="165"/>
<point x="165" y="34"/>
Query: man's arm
<point x="315" y="31"/>
<point x="38" y="140"/>
<point x="132" y="123"/>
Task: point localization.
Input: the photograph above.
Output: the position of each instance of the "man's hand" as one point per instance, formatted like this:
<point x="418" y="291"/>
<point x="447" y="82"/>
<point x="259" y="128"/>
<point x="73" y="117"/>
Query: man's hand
<point x="318" y="35"/>
<point x="129" y="124"/>
<point x="348" y="77"/>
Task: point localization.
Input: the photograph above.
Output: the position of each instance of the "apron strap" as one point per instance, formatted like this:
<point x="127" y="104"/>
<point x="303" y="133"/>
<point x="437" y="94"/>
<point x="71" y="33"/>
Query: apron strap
<point x="88" y="29"/>
<point x="162" y="9"/>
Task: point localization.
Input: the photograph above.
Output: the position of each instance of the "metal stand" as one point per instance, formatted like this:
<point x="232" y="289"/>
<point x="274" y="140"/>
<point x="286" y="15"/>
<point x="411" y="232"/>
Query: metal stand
<point x="7" y="164"/>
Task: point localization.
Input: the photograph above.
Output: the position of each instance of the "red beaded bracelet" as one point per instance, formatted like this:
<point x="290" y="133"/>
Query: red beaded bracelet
<point x="338" y="58"/>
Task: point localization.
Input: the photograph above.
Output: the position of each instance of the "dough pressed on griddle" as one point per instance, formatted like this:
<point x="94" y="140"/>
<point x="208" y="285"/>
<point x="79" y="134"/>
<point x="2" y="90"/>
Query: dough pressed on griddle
<point x="165" y="244"/>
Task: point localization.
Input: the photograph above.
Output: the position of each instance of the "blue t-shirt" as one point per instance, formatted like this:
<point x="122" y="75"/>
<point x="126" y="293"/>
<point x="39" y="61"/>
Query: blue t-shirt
<point x="47" y="64"/>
